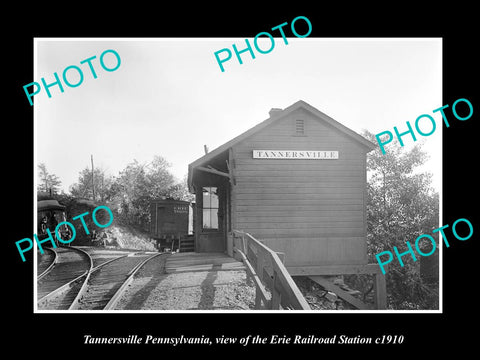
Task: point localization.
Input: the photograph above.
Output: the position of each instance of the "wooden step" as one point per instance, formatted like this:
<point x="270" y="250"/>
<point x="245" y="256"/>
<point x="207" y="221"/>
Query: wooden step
<point x="187" y="244"/>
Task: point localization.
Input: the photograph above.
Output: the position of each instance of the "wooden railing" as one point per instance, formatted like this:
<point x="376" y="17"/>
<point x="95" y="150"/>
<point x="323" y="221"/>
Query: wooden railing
<point x="275" y="288"/>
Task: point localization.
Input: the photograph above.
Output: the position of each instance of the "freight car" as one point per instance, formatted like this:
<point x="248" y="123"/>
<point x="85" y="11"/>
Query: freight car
<point x="169" y="223"/>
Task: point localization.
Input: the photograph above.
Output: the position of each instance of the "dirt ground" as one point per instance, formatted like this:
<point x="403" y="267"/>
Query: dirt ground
<point x="152" y="289"/>
<point x="126" y="237"/>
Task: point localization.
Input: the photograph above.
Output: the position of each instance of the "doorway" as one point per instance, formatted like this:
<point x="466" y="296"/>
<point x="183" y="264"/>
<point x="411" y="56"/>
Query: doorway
<point x="212" y="214"/>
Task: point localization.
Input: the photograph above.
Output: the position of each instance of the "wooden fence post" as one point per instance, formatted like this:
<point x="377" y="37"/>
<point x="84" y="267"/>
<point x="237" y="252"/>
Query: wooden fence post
<point x="258" y="299"/>
<point x="380" y="291"/>
<point x="267" y="270"/>
<point x="276" y="295"/>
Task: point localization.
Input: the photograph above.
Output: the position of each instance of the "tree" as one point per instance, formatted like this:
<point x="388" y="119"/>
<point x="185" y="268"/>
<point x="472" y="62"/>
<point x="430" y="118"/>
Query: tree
<point x="158" y="177"/>
<point x="47" y="182"/>
<point x="180" y="191"/>
<point x="401" y="205"/>
<point x="84" y="187"/>
<point x="130" y="194"/>
<point x="138" y="184"/>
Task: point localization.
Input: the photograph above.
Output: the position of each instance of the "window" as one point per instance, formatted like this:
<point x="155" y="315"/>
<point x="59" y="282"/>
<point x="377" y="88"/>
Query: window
<point x="299" y="127"/>
<point x="210" y="208"/>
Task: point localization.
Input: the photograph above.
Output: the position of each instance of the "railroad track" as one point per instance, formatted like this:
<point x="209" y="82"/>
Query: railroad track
<point x="86" y="278"/>
<point x="105" y="283"/>
<point x="45" y="262"/>
<point x="101" y="255"/>
<point x="57" y="286"/>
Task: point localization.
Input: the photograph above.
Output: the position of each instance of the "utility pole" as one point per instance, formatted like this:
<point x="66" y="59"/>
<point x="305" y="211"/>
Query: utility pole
<point x="102" y="188"/>
<point x="93" y="183"/>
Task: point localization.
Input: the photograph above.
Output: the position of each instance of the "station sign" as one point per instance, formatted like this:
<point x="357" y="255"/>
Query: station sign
<point x="296" y="154"/>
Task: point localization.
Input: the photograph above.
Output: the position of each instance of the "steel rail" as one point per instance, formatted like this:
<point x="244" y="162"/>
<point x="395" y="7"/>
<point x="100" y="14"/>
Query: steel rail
<point x="118" y="294"/>
<point x="67" y="285"/>
<point x="50" y="267"/>
<point x="74" y="304"/>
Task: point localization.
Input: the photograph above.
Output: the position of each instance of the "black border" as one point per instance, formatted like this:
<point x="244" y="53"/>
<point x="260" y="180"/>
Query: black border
<point x="426" y="332"/>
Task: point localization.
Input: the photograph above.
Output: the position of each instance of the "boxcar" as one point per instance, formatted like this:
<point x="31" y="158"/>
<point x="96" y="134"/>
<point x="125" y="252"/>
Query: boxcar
<point x="169" y="222"/>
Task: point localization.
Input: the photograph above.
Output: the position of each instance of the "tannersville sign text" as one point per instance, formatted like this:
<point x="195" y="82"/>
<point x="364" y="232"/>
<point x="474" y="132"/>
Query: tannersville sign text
<point x="295" y="154"/>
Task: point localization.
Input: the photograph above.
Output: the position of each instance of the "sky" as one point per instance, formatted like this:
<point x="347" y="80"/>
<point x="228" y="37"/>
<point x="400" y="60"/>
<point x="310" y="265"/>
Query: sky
<point x="169" y="97"/>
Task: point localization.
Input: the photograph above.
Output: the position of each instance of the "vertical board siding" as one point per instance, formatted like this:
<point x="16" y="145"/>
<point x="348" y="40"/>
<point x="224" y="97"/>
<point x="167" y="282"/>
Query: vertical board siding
<point x="312" y="210"/>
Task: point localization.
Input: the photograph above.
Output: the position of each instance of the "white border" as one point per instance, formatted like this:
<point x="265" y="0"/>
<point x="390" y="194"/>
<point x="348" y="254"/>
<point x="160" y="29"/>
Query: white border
<point x="284" y="312"/>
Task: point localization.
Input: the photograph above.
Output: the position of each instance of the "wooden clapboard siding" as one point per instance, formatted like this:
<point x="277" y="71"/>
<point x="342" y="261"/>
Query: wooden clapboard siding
<point x="300" y="225"/>
<point x="303" y="165"/>
<point x="293" y="197"/>
<point x="295" y="146"/>
<point x="312" y="210"/>
<point x="251" y="163"/>
<point x="289" y="208"/>
<point x="291" y="213"/>
<point x="306" y="183"/>
<point x="321" y="250"/>
<point x="294" y="173"/>
<point x="298" y="190"/>
<point x="287" y="202"/>
<point x="309" y="232"/>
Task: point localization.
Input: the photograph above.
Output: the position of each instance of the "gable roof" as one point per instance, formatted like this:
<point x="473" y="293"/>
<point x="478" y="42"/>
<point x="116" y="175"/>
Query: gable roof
<point x="278" y="115"/>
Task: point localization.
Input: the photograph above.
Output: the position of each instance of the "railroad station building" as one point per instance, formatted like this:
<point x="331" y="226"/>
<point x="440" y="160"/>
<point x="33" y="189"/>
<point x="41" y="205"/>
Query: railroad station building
<point x="296" y="182"/>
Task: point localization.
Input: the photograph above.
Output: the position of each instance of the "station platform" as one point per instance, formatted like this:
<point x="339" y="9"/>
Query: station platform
<point x="190" y="281"/>
<point x="192" y="261"/>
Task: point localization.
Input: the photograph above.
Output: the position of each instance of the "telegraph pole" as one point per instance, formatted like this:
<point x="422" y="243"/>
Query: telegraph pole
<point x="93" y="183"/>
